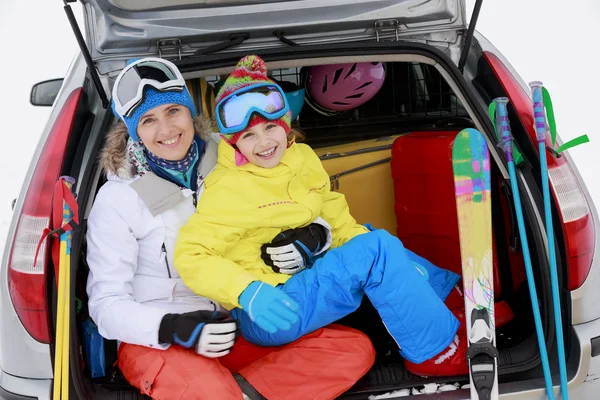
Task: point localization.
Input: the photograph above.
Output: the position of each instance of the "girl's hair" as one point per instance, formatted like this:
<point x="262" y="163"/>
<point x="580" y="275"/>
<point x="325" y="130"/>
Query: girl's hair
<point x="296" y="135"/>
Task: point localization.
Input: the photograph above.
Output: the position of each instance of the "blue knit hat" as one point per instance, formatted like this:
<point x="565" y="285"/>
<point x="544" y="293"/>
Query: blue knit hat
<point x="154" y="98"/>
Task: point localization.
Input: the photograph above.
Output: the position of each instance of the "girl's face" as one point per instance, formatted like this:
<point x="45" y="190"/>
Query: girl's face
<point x="263" y="144"/>
<point x="167" y="131"/>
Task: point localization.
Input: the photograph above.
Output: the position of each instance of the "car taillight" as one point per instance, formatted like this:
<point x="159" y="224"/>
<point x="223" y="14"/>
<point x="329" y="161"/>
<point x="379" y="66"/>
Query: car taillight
<point x="26" y="278"/>
<point x="578" y="225"/>
<point x="574" y="211"/>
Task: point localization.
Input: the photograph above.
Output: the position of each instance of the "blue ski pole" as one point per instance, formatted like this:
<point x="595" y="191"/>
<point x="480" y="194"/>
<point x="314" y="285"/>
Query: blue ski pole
<point x="541" y="128"/>
<point x="506" y="144"/>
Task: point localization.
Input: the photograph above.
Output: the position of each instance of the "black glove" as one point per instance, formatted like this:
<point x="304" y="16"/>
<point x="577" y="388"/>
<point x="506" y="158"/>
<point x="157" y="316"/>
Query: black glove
<point x="292" y="250"/>
<point x="212" y="333"/>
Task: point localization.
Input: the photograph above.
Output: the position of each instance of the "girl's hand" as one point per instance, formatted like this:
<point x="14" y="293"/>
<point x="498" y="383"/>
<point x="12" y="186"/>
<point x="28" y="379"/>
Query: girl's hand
<point x="269" y="307"/>
<point x="292" y="250"/>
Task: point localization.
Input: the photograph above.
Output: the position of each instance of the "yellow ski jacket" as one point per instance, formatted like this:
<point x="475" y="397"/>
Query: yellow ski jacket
<point x="241" y="208"/>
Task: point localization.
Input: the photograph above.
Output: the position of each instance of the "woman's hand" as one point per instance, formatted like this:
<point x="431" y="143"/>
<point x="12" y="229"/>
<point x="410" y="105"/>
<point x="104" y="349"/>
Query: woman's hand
<point x="292" y="250"/>
<point x="212" y="333"/>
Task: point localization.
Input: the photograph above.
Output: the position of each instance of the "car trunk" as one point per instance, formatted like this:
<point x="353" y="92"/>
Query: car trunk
<point x="424" y="97"/>
<point x="121" y="29"/>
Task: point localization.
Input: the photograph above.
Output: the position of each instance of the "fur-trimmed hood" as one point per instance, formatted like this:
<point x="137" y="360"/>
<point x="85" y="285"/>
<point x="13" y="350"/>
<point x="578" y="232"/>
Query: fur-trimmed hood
<point x="114" y="158"/>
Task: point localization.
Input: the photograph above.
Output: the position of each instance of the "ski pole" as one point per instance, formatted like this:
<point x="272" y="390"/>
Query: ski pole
<point x="541" y="128"/>
<point x="60" y="317"/>
<point x="506" y="144"/>
<point x="61" y="358"/>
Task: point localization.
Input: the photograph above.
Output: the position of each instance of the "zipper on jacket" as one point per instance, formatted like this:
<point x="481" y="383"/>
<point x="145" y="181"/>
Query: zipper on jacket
<point x="164" y="249"/>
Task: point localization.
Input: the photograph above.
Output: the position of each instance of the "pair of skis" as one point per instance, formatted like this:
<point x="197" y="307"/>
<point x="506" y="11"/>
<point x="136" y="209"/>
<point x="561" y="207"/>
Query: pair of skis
<point x="471" y="164"/>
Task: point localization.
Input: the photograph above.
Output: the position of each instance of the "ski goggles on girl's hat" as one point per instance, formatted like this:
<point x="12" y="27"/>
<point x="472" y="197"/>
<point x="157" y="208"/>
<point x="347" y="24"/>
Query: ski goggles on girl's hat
<point x="234" y="111"/>
<point x="128" y="91"/>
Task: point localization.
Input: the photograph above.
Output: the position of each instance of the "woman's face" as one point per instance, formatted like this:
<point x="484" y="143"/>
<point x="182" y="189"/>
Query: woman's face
<point x="167" y="131"/>
<point x="263" y="144"/>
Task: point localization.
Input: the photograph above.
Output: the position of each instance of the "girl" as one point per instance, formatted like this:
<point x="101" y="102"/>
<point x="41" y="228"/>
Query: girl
<point x="265" y="184"/>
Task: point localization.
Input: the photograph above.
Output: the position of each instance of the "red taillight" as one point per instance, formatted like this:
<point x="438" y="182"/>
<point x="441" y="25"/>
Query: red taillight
<point x="577" y="222"/>
<point x="574" y="210"/>
<point x="26" y="282"/>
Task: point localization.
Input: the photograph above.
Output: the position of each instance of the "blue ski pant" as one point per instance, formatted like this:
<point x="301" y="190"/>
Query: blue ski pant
<point x="407" y="291"/>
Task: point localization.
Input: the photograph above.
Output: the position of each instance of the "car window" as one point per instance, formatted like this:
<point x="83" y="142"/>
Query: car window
<point x="414" y="96"/>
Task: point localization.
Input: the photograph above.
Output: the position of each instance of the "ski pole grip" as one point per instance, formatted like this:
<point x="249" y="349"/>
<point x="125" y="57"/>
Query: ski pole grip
<point x="503" y="126"/>
<point x="539" y="114"/>
<point x="69" y="181"/>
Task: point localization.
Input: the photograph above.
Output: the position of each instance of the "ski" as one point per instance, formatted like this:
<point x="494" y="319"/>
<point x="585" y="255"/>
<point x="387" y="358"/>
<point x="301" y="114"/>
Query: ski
<point x="471" y="165"/>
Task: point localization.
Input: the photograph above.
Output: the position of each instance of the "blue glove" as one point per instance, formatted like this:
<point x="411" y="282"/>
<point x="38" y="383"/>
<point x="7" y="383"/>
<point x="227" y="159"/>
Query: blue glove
<point x="270" y="308"/>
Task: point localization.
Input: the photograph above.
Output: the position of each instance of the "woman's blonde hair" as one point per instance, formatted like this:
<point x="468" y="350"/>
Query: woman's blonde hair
<point x="115" y="143"/>
<point x="202" y="128"/>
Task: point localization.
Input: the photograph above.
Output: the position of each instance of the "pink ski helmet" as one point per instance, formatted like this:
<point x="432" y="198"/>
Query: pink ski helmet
<point x="340" y="87"/>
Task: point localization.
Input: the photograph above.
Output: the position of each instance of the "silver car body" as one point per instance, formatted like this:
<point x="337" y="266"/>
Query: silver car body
<point x="118" y="30"/>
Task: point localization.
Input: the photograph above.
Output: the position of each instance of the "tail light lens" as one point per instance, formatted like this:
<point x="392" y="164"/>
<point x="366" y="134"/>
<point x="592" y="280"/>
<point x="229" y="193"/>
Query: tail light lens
<point x="574" y="211"/>
<point x="26" y="278"/>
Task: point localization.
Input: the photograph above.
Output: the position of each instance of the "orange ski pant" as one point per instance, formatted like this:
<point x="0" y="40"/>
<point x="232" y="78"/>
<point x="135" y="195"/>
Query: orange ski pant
<point x="320" y="365"/>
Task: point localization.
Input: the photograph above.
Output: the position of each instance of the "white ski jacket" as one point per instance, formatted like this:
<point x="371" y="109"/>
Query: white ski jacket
<point x="131" y="234"/>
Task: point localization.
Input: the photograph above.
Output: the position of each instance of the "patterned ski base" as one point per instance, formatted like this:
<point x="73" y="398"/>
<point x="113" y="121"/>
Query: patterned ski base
<point x="471" y="164"/>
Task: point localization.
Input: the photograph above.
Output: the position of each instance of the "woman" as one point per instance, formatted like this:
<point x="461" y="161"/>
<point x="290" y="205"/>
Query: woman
<point x="170" y="339"/>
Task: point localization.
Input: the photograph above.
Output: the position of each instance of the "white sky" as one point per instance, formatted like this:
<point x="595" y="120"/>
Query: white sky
<point x="548" y="40"/>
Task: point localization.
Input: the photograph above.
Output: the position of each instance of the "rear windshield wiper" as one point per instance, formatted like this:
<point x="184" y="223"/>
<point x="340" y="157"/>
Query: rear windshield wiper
<point x="235" y="39"/>
<point x="280" y="35"/>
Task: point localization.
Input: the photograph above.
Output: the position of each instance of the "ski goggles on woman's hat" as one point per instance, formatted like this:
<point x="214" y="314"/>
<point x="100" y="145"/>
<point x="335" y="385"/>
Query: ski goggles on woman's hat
<point x="128" y="91"/>
<point x="234" y="111"/>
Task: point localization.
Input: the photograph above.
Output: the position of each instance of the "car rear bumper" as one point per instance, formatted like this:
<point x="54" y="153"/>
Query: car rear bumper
<point x="581" y="369"/>
<point x="13" y="387"/>
<point x="5" y="395"/>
